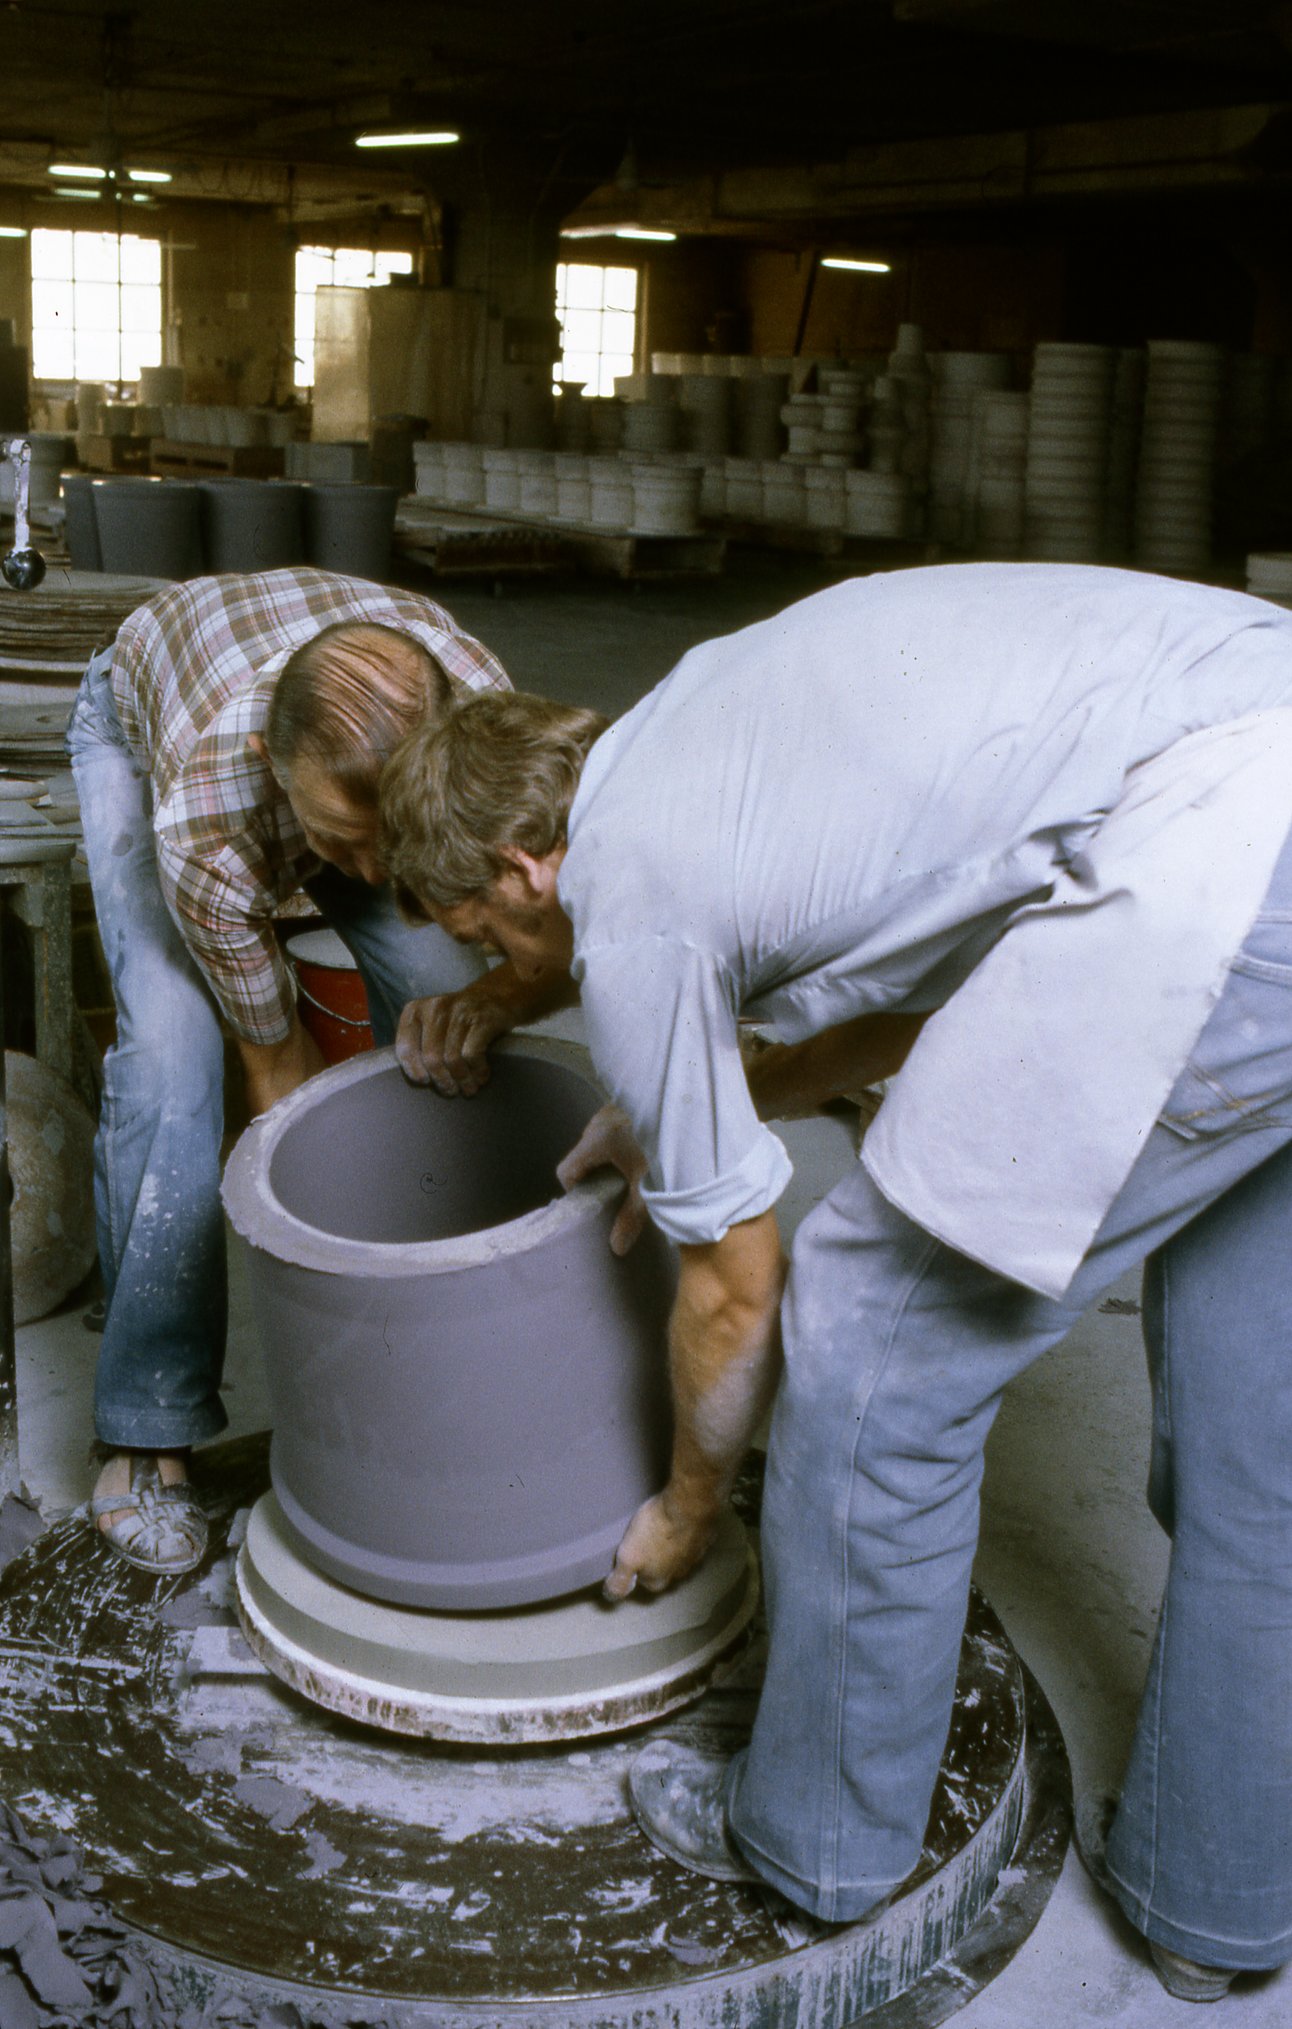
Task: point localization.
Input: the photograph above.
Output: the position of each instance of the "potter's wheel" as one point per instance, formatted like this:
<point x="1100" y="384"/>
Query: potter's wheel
<point x="559" y="1671"/>
<point x="276" y="1862"/>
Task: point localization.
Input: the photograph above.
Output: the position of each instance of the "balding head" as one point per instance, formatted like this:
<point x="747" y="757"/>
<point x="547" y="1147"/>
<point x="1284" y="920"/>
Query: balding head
<point x="346" y="699"/>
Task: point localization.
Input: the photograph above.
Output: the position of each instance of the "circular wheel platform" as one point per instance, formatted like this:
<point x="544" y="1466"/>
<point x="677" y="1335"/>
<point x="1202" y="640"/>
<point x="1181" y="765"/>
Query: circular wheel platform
<point x="268" y="1851"/>
<point x="562" y="1671"/>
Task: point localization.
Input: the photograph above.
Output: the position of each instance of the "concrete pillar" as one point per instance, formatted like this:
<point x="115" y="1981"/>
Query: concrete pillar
<point x="505" y="250"/>
<point x="501" y="210"/>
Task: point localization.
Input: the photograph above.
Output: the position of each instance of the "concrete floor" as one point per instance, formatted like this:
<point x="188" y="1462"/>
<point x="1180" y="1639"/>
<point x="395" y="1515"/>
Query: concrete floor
<point x="1070" y="1556"/>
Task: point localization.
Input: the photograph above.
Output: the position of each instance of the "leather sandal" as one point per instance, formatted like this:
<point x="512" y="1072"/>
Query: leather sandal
<point x="161" y="1528"/>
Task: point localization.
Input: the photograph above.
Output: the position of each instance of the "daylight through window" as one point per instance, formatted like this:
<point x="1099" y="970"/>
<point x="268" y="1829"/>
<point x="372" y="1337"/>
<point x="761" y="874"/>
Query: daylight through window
<point x="96" y="305"/>
<point x="335" y="267"/>
<point x="597" y="308"/>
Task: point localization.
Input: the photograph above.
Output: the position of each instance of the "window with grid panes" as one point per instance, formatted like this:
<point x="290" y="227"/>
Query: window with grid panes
<point x="597" y="309"/>
<point x="96" y="305"/>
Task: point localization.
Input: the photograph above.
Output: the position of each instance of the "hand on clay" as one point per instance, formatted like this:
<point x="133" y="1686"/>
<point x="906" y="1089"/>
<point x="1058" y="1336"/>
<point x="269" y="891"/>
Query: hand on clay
<point x="608" y="1141"/>
<point x="662" y="1543"/>
<point x="443" y="1041"/>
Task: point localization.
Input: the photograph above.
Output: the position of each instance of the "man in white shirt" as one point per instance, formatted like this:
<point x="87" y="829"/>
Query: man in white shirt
<point x="1032" y="821"/>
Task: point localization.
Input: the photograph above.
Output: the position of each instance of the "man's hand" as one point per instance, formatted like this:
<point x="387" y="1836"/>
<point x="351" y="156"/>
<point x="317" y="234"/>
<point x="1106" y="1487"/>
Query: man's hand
<point x="724" y="1358"/>
<point x="272" y="1070"/>
<point x="661" y="1545"/>
<point x="444" y="1040"/>
<point x="608" y="1142"/>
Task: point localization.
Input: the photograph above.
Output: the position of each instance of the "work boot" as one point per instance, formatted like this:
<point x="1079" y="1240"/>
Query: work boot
<point x="677" y="1797"/>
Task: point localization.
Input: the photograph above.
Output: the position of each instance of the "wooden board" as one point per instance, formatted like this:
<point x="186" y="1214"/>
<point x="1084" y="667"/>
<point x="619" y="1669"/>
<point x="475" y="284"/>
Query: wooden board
<point x="452" y="534"/>
<point x="54" y="630"/>
<point x="213" y="461"/>
<point x="630" y="555"/>
<point x="114" y="454"/>
<point x="452" y="543"/>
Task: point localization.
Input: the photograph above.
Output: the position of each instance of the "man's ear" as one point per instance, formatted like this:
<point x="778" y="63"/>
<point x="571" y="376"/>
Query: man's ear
<point x="536" y="874"/>
<point x="258" y="748"/>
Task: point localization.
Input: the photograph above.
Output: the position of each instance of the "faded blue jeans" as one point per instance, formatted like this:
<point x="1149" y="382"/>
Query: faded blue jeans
<point x="897" y="1350"/>
<point x="157" y="1154"/>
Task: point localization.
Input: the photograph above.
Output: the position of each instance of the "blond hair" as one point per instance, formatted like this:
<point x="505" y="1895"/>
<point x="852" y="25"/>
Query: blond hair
<point x="346" y="698"/>
<point x="501" y="770"/>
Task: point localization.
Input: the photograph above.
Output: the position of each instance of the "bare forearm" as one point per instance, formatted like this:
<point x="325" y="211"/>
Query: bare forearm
<point x="724" y="1358"/>
<point x="271" y="1070"/>
<point x="790" y="1079"/>
<point x="724" y="1347"/>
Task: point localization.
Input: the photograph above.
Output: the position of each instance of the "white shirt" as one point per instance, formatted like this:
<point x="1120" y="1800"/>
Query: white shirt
<point x="1050" y="797"/>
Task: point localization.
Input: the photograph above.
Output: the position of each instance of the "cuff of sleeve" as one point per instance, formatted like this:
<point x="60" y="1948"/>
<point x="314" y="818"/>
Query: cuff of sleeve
<point x="704" y="1213"/>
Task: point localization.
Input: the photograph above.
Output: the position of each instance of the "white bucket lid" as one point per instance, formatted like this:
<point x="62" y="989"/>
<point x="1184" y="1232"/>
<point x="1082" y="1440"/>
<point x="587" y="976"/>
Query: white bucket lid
<point x="322" y="947"/>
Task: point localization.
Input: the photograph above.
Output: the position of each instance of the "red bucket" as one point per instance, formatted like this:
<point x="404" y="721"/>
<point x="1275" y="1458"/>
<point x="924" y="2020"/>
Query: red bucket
<point x="332" y="1001"/>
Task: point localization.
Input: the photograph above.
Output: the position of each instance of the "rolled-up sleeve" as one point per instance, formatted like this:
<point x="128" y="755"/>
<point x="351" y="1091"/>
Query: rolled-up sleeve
<point x="662" y="1026"/>
<point x="225" y="919"/>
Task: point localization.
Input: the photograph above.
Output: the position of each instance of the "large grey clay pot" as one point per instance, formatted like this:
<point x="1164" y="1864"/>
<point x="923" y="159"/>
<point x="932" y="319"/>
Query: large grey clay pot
<point x="80" y="529"/>
<point x="149" y="528"/>
<point x="469" y="1389"/>
<point x="350" y="528"/>
<point x="252" y="524"/>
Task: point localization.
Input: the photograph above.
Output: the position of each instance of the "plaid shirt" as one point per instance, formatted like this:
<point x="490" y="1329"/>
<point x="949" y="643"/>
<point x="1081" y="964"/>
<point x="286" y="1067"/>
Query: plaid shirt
<point x="193" y="672"/>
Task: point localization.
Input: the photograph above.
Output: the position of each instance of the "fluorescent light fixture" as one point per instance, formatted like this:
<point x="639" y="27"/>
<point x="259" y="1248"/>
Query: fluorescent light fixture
<point x="13" y="232"/>
<point x="85" y="169"/>
<point x="413" y="138"/>
<point x="614" y="232"/>
<point x="149" y="175"/>
<point x="858" y="267"/>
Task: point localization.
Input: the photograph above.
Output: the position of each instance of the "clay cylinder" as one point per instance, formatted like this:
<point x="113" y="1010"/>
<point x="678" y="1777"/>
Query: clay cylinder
<point x="252" y="524"/>
<point x="149" y="528"/>
<point x="469" y="1389"/>
<point x="80" y="529"/>
<point x="350" y="527"/>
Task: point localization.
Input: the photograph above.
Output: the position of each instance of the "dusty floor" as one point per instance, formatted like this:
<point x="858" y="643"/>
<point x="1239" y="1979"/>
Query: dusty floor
<point x="1070" y="1557"/>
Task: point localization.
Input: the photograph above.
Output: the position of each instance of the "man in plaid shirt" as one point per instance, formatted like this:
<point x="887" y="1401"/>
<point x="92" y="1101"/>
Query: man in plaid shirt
<point x="226" y="748"/>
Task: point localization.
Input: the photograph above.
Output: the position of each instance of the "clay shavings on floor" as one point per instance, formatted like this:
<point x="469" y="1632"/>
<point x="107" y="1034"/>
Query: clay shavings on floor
<point x="66" y="1963"/>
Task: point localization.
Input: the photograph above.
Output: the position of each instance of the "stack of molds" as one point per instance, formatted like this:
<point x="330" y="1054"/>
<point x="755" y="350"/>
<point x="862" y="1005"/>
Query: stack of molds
<point x="1177" y="455"/>
<point x="957" y="379"/>
<point x="1067" y="452"/>
<point x="997" y="478"/>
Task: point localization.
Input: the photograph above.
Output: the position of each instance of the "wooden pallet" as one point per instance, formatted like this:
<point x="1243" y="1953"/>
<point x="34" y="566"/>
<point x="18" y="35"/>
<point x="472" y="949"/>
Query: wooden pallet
<point x="114" y="454"/>
<point x="628" y="554"/>
<point x="463" y="533"/>
<point x="453" y="543"/>
<point x="213" y="461"/>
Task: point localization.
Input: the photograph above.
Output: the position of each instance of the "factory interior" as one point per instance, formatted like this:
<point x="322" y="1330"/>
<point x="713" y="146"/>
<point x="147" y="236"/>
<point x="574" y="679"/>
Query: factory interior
<point x="612" y="329"/>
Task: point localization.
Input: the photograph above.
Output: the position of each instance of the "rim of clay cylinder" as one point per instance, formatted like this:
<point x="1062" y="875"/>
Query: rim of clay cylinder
<point x="259" y="1217"/>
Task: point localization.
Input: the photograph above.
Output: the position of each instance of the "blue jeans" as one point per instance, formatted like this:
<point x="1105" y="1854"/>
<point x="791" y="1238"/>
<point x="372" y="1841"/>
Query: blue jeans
<point x="897" y="1349"/>
<point x="157" y="1154"/>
